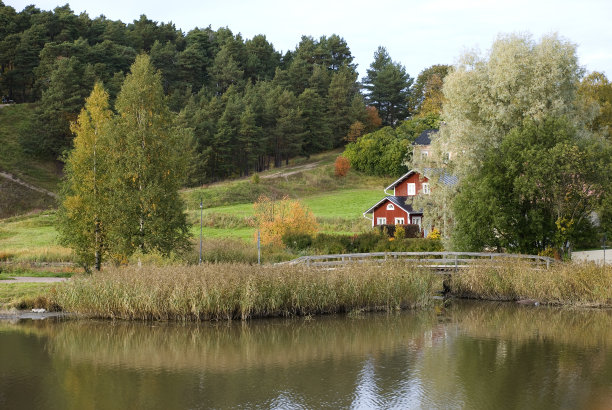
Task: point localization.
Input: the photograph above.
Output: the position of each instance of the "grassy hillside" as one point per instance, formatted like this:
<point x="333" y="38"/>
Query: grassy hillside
<point x="338" y="204"/>
<point x="15" y="198"/>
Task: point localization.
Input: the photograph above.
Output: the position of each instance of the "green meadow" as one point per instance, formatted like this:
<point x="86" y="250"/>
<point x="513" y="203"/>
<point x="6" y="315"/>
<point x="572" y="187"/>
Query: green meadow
<point x="337" y="203"/>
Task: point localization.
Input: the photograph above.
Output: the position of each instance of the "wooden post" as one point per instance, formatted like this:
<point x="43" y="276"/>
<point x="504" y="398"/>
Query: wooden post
<point x="258" y="248"/>
<point x="446" y="283"/>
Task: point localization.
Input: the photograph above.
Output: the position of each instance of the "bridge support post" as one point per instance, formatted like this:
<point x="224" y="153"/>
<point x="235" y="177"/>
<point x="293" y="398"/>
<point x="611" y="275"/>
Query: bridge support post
<point x="446" y="284"/>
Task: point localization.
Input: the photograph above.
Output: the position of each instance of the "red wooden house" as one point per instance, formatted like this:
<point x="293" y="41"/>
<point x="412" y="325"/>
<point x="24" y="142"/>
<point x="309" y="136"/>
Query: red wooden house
<point x="397" y="209"/>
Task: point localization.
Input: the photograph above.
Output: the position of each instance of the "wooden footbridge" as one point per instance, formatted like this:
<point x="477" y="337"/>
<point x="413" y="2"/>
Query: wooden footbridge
<point x="441" y="262"/>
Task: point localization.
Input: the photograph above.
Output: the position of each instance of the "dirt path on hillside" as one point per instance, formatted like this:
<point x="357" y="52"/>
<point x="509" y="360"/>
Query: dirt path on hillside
<point x="13" y="178"/>
<point x="292" y="171"/>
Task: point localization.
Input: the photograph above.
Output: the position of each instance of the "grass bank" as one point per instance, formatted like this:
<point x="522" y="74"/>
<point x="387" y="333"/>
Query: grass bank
<point x="575" y="284"/>
<point x="15" y="121"/>
<point x="240" y="291"/>
<point x="31" y="238"/>
<point x="25" y="296"/>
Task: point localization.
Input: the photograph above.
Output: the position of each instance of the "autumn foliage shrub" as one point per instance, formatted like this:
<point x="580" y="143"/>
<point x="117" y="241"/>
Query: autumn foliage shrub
<point x="341" y="166"/>
<point x="275" y="219"/>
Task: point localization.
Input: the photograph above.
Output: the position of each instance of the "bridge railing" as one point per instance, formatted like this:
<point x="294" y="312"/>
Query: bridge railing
<point x="438" y="260"/>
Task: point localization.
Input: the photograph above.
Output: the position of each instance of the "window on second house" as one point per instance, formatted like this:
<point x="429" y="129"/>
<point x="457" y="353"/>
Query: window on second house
<point x="381" y="221"/>
<point x="399" y="221"/>
<point x="411" y="189"/>
<point x="390" y="207"/>
<point x="426" y="188"/>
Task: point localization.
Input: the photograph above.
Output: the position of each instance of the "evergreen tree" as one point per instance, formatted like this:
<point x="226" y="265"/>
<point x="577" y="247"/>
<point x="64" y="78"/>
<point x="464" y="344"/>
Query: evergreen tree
<point x="388" y="88"/>
<point x="262" y="59"/>
<point x="248" y="138"/>
<point x="342" y="90"/>
<point x="225" y="71"/>
<point x="289" y="131"/>
<point x="69" y="84"/>
<point x="316" y="135"/>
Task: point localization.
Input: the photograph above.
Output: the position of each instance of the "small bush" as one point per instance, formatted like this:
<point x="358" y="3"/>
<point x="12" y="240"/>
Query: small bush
<point x="371" y="242"/>
<point x="297" y="241"/>
<point x="276" y="218"/>
<point x="434" y="234"/>
<point x="330" y="244"/>
<point x="410" y="230"/>
<point x="400" y="232"/>
<point x="341" y="166"/>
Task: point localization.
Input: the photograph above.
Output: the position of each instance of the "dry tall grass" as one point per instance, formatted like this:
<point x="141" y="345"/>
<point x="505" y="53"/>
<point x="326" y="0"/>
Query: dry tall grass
<point x="240" y="291"/>
<point x="585" y="284"/>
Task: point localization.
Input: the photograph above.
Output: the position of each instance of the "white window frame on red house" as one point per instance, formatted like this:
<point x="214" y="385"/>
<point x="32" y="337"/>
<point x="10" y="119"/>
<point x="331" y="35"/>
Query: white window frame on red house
<point x="381" y="221"/>
<point x="418" y="220"/>
<point x="411" y="189"/>
<point x="390" y="207"/>
<point x="426" y="190"/>
<point x="399" y="221"/>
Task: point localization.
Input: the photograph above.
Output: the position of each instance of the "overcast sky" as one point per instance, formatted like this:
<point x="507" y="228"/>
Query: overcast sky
<point x="416" y="33"/>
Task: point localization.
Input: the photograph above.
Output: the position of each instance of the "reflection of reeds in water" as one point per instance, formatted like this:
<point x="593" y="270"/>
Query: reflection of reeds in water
<point x="283" y="343"/>
<point x="230" y="291"/>
<point x="231" y="346"/>
<point x="509" y="321"/>
<point x="585" y="284"/>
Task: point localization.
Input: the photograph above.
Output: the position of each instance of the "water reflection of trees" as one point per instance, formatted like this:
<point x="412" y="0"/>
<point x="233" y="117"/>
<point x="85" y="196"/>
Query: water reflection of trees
<point x="509" y="356"/>
<point x="470" y="355"/>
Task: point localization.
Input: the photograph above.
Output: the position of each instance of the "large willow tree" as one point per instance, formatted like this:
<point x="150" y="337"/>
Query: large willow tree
<point x="487" y="101"/>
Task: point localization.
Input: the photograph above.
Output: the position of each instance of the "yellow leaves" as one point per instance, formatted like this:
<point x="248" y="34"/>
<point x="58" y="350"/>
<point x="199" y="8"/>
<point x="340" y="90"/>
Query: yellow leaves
<point x="564" y="225"/>
<point x="277" y="218"/>
<point x="434" y="234"/>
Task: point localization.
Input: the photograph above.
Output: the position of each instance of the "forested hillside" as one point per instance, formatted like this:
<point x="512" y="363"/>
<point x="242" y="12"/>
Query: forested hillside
<point x="250" y="106"/>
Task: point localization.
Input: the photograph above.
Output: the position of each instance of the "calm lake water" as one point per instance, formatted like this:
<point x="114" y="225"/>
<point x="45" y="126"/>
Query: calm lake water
<point x="467" y="355"/>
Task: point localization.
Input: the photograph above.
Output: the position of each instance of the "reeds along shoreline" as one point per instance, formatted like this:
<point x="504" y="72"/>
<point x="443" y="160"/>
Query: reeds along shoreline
<point x="241" y="291"/>
<point x="575" y="284"/>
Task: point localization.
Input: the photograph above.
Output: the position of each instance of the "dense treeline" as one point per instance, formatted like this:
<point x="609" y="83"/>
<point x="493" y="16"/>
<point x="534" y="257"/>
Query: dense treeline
<point x="250" y="106"/>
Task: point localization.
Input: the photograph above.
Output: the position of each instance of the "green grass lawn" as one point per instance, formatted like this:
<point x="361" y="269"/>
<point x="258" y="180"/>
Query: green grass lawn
<point x="349" y="203"/>
<point x="337" y="212"/>
<point x="31" y="238"/>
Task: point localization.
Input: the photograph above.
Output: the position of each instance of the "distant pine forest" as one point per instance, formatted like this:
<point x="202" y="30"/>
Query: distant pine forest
<point x="250" y="106"/>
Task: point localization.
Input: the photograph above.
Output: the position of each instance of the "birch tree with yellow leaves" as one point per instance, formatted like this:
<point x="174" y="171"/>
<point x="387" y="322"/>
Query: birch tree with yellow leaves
<point x="120" y="191"/>
<point x="86" y="189"/>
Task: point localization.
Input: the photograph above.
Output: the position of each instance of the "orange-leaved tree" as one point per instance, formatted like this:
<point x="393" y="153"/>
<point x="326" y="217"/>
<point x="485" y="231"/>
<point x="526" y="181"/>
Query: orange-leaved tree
<point x="341" y="166"/>
<point x="275" y="218"/>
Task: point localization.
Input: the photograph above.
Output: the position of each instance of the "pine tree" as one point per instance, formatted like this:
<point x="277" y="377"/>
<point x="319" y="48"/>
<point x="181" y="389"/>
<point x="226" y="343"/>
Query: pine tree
<point x="317" y="135"/>
<point x="341" y="92"/>
<point x="388" y="88"/>
<point x="83" y="217"/>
